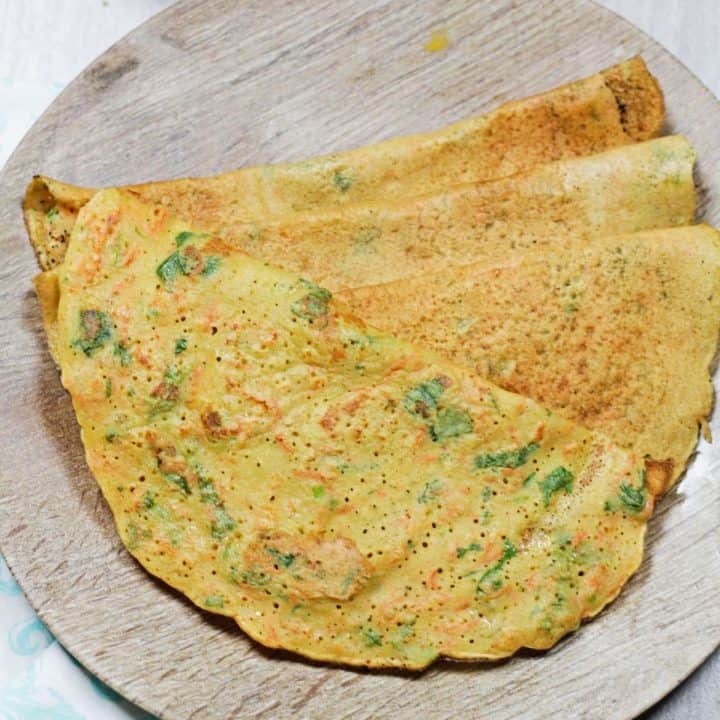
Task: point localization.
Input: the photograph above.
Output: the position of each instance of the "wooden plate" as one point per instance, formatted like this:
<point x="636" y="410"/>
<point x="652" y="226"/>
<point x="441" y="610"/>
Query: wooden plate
<point x="208" y="86"/>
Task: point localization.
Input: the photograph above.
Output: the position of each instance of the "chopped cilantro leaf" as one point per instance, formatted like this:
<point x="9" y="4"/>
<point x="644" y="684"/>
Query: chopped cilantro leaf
<point x="212" y="263"/>
<point x="342" y="181"/>
<point x="121" y="352"/>
<point x="179" y="480"/>
<point x="451" y="422"/>
<point x="208" y="494"/>
<point x="430" y="492"/>
<point x="283" y="559"/>
<point x="558" y="479"/>
<point x="490" y="576"/>
<point x="95" y="331"/>
<point x="182" y="237"/>
<point x="472" y="547"/>
<point x="251" y="577"/>
<point x="169" y="268"/>
<point x="632" y="498"/>
<point x="223" y="523"/>
<point x="312" y="305"/>
<point x="506" y="458"/>
<point x="372" y="638"/>
<point x="423" y="398"/>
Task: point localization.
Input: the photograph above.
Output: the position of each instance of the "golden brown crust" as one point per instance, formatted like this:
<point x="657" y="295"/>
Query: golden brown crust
<point x="592" y="334"/>
<point x="639" y="98"/>
<point x="609" y="109"/>
<point x="658" y="475"/>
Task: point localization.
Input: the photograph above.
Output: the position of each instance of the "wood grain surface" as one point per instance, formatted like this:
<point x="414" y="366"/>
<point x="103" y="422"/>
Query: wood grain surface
<point x="207" y="86"/>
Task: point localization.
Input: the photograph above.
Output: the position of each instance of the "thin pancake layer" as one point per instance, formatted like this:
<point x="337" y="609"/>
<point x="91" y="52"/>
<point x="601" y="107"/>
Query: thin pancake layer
<point x="643" y="186"/>
<point x="618" y="335"/>
<point x="617" y="106"/>
<point x="341" y="493"/>
<point x="647" y="185"/>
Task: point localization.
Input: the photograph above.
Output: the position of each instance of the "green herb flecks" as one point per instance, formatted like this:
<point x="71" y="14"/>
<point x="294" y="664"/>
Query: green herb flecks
<point x="110" y="436"/>
<point x="342" y="181"/>
<point x="108" y="388"/>
<point x="222" y="524"/>
<point x="148" y="500"/>
<point x="214" y="601"/>
<point x="212" y="263"/>
<point x="181" y="345"/>
<point x="208" y="494"/>
<point x="371" y="637"/>
<point x="318" y="491"/>
<point x="169" y="269"/>
<point x="529" y="478"/>
<point x="186" y="260"/>
<point x="121" y="352"/>
<point x="423" y="399"/>
<point x="406" y="630"/>
<point x="632" y="499"/>
<point x="167" y="392"/>
<point x="95" y="331"/>
<point x="443" y="423"/>
<point x="430" y="492"/>
<point x="506" y="458"/>
<point x="490" y="580"/>
<point x="558" y="479"/>
<point x="135" y="535"/>
<point x="52" y="213"/>
<point x="567" y="557"/>
<point x="403" y="633"/>
<point x="178" y="480"/>
<point x="251" y="577"/>
<point x="282" y="559"/>
<point x="182" y="237"/>
<point x="451" y="422"/>
<point x="314" y="304"/>
<point x="472" y="547"/>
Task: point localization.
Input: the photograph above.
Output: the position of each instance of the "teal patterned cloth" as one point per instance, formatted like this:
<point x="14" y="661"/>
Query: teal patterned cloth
<point x="38" y="679"/>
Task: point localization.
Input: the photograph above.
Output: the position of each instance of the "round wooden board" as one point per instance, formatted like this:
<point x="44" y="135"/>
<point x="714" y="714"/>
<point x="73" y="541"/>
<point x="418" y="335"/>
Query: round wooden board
<point x="208" y="86"/>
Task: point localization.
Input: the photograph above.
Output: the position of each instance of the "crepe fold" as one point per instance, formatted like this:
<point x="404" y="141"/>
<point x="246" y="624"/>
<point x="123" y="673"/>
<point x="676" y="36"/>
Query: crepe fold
<point x="642" y="186"/>
<point x="619" y="334"/>
<point x="617" y="106"/>
<point x="362" y="495"/>
<point x="339" y="492"/>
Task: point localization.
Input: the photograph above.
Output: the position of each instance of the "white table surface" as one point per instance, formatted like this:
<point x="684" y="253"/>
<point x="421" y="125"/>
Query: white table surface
<point x="43" y="45"/>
